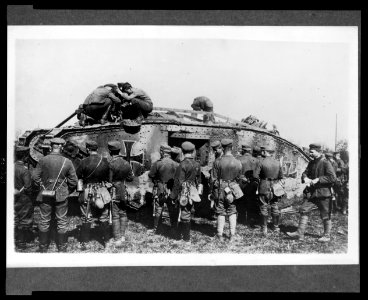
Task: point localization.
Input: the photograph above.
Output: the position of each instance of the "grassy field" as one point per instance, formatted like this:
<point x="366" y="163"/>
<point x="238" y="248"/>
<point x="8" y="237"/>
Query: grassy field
<point x="203" y="239"/>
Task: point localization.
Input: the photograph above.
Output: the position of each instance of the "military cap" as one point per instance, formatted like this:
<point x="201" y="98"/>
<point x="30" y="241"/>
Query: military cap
<point x="315" y="146"/>
<point x="165" y="148"/>
<point x="226" y="142"/>
<point x="215" y="144"/>
<point x="246" y="147"/>
<point x="124" y="85"/>
<point x="114" y="145"/>
<point x="21" y="149"/>
<point x="57" y="141"/>
<point x="70" y="148"/>
<point x="175" y="150"/>
<point x="91" y="145"/>
<point x="187" y="146"/>
<point x="268" y="148"/>
<point x="328" y="154"/>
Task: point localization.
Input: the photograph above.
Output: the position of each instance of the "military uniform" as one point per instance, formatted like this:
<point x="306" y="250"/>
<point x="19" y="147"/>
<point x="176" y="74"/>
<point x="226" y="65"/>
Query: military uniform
<point x="187" y="173"/>
<point x="270" y="171"/>
<point x="249" y="184"/>
<point x="94" y="171"/>
<point x="23" y="206"/>
<point x="203" y="103"/>
<point x="162" y="173"/>
<point x="317" y="194"/>
<point x="340" y="185"/>
<point x="226" y="172"/>
<point x="120" y="172"/>
<point x="54" y="172"/>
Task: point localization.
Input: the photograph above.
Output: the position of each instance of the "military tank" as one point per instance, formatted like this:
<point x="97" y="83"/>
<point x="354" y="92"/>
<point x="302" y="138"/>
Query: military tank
<point x="170" y="126"/>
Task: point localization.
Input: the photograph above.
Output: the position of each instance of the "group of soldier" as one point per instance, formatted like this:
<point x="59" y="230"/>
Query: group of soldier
<point x="250" y="184"/>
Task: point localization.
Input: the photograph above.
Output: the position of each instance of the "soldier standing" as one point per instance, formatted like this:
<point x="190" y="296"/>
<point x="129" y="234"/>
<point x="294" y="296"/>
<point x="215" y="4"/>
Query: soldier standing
<point x="335" y="187"/>
<point x="120" y="172"/>
<point x="175" y="154"/>
<point x="249" y="183"/>
<point x="93" y="171"/>
<point x="162" y="175"/>
<point x="226" y="172"/>
<point x="341" y="175"/>
<point x="319" y="177"/>
<point x="54" y="173"/>
<point x="23" y="206"/>
<point x="187" y="178"/>
<point x="270" y="174"/>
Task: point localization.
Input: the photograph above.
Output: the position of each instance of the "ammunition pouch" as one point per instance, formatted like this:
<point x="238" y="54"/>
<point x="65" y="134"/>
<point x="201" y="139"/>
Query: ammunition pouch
<point x="97" y="194"/>
<point x="278" y="189"/>
<point x="188" y="194"/>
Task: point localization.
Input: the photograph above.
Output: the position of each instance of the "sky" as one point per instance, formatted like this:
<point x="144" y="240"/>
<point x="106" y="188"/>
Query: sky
<point x="300" y="85"/>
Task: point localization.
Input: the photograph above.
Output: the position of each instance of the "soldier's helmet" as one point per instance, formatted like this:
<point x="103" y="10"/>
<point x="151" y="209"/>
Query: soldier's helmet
<point x="187" y="146"/>
<point x="165" y="148"/>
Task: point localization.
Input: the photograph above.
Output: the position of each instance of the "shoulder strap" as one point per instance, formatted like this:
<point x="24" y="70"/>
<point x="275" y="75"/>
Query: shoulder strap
<point x="95" y="168"/>
<point x="59" y="174"/>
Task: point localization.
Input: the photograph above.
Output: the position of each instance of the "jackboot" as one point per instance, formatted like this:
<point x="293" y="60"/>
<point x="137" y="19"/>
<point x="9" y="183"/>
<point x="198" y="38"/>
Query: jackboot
<point x="275" y="221"/>
<point x="105" y="228"/>
<point x="116" y="233"/>
<point x="84" y="235"/>
<point x="105" y="115"/>
<point x="264" y="224"/>
<point x="21" y="239"/>
<point x="186" y="232"/>
<point x="299" y="234"/>
<point x="62" y="242"/>
<point x="44" y="241"/>
<point x="327" y="224"/>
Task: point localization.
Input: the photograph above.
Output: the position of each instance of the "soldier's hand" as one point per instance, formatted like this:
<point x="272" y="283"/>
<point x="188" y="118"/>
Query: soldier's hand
<point x="307" y="180"/>
<point x="314" y="181"/>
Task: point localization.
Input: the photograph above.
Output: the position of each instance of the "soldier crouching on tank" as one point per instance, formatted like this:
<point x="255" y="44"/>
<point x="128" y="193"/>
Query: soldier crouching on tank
<point x="93" y="173"/>
<point x="162" y="175"/>
<point x="270" y="189"/>
<point x="23" y="205"/>
<point x="319" y="177"/>
<point x="55" y="174"/>
<point x="98" y="105"/>
<point x="137" y="104"/>
<point x="186" y="181"/>
<point x="203" y="103"/>
<point x="226" y="174"/>
<point x="120" y="172"/>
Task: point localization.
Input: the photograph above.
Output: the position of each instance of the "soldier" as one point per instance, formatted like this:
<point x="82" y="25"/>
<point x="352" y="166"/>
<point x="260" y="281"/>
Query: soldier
<point x="23" y="206"/>
<point x="319" y="177"/>
<point x="162" y="175"/>
<point x="203" y="103"/>
<point x="226" y="172"/>
<point x="140" y="104"/>
<point x="70" y="150"/>
<point x="335" y="187"/>
<point x="187" y="178"/>
<point x="98" y="104"/>
<point x="270" y="174"/>
<point x="56" y="175"/>
<point x="249" y="184"/>
<point x="93" y="171"/>
<point x="120" y="172"/>
<point x="341" y="175"/>
<point x="175" y="154"/>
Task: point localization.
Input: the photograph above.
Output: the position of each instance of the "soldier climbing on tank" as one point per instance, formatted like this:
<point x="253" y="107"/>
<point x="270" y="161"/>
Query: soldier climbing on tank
<point x="98" y="105"/>
<point x="203" y="103"/>
<point x="136" y="102"/>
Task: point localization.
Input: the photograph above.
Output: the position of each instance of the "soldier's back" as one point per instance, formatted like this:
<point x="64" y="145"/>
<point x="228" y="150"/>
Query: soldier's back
<point x="228" y="167"/>
<point x="94" y="168"/>
<point x="121" y="168"/>
<point x="270" y="168"/>
<point x="166" y="168"/>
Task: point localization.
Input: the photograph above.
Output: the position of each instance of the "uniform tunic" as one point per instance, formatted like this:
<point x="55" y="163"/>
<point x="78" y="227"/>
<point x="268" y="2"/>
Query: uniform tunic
<point x="46" y="173"/>
<point x="188" y="171"/>
<point x="227" y="169"/>
<point x="90" y="174"/>
<point x="319" y="194"/>
<point x="141" y="104"/>
<point x="23" y="206"/>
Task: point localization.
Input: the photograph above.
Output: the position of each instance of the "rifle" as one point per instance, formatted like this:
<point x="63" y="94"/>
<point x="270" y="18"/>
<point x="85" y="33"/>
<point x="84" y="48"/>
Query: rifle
<point x="113" y="198"/>
<point x="89" y="197"/>
<point x="155" y="197"/>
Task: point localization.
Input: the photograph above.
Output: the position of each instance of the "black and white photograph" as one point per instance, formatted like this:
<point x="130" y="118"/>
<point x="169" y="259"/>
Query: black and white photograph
<point x="182" y="146"/>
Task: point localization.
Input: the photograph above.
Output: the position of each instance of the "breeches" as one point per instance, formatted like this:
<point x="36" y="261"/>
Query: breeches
<point x="224" y="208"/>
<point x="23" y="212"/>
<point x="264" y="204"/>
<point x="186" y="213"/>
<point x="101" y="214"/>
<point x="96" y="111"/>
<point x="46" y="210"/>
<point x="323" y="205"/>
<point x="118" y="210"/>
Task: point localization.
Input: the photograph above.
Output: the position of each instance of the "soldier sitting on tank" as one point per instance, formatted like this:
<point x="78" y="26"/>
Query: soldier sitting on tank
<point x="137" y="104"/>
<point x="203" y="103"/>
<point x="98" y="105"/>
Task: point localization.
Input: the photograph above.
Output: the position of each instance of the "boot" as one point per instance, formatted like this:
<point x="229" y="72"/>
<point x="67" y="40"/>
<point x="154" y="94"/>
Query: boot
<point x="44" y="241"/>
<point x="327" y="224"/>
<point x="220" y="227"/>
<point x="21" y="239"/>
<point x="264" y="224"/>
<point x="62" y="242"/>
<point x="232" y="221"/>
<point x="186" y="232"/>
<point x="105" y="115"/>
<point x="299" y="234"/>
<point x="105" y="228"/>
<point x="179" y="232"/>
<point x="84" y="235"/>
<point x="116" y="233"/>
<point x="275" y="221"/>
<point x="123" y="223"/>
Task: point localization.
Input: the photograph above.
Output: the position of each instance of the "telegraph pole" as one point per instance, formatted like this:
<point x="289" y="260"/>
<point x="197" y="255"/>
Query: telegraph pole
<point x="336" y="134"/>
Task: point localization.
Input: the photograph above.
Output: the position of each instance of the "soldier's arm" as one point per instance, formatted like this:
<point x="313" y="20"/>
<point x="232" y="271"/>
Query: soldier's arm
<point x="177" y="183"/>
<point x="130" y="176"/>
<point x="71" y="176"/>
<point x="330" y="176"/>
<point x="27" y="181"/>
<point x="114" y="98"/>
<point x="36" y="176"/>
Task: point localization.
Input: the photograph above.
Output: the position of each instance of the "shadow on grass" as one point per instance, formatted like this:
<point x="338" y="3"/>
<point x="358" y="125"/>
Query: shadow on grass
<point x="206" y="229"/>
